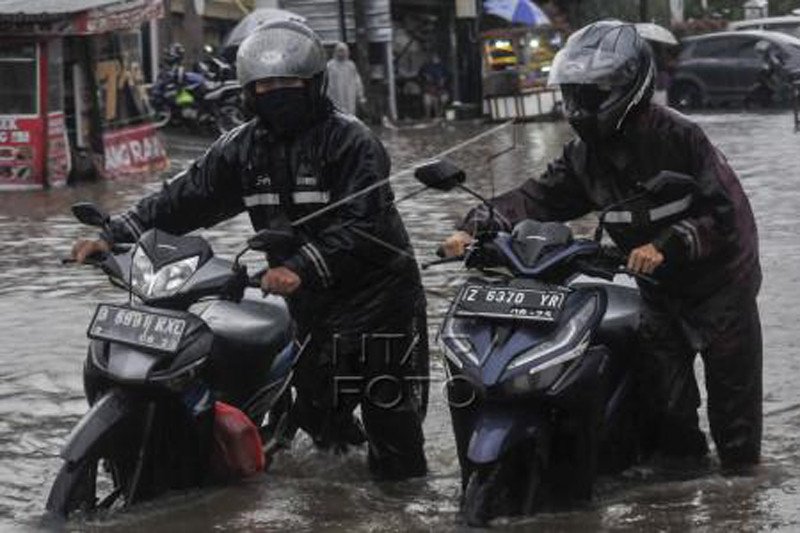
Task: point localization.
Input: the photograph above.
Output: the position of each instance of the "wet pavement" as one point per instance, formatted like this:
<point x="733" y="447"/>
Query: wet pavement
<point x="45" y="308"/>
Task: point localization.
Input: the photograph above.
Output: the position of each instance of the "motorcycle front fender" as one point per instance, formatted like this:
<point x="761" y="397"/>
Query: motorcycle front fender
<point x="104" y="416"/>
<point x="498" y="428"/>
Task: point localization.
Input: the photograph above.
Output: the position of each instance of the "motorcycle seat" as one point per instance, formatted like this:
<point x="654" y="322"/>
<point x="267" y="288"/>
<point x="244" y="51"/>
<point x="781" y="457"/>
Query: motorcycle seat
<point x="621" y="321"/>
<point x="248" y="336"/>
<point x="253" y="324"/>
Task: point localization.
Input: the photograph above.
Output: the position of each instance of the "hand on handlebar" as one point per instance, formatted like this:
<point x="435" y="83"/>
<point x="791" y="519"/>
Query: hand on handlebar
<point x="455" y="245"/>
<point x="88" y="250"/>
<point x="280" y="280"/>
<point x="645" y="259"/>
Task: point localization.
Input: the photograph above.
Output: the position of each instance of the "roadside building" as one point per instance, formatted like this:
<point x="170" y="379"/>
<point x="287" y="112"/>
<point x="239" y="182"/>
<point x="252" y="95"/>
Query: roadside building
<point x="196" y="23"/>
<point x="72" y="99"/>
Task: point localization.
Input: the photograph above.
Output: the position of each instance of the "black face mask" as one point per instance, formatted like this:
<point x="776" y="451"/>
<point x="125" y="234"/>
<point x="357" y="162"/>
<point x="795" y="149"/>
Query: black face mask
<point x="286" y="112"/>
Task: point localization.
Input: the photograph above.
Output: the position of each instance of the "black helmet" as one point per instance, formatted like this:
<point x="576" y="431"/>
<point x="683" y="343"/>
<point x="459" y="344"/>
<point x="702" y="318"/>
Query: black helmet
<point x="605" y="70"/>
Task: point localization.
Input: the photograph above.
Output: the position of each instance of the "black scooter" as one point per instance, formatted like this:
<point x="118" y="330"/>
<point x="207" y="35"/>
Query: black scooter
<point x="189" y="338"/>
<point x="540" y="362"/>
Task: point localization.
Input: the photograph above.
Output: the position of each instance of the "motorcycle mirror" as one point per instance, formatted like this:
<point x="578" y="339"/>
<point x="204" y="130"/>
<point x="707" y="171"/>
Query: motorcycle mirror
<point x="668" y="185"/>
<point x="440" y="174"/>
<point x="270" y="239"/>
<point x="90" y="214"/>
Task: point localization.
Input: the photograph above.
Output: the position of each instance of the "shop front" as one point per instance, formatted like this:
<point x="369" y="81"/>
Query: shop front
<point x="516" y="64"/>
<point x="72" y="100"/>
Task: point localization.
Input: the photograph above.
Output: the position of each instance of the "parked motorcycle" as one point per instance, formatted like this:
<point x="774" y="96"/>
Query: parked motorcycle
<point x="540" y="362"/>
<point x="179" y="378"/>
<point x="213" y="66"/>
<point x="185" y="98"/>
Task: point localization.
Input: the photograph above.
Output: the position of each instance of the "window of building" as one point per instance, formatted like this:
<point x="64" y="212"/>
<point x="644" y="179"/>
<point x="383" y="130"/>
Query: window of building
<point x="19" y="89"/>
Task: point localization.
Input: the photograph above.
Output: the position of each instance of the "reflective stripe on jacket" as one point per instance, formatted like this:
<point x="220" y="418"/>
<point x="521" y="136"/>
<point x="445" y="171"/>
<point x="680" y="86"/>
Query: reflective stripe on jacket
<point x="348" y="277"/>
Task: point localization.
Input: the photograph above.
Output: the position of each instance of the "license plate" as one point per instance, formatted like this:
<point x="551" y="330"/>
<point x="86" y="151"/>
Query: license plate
<point x="510" y="302"/>
<point x="137" y="327"/>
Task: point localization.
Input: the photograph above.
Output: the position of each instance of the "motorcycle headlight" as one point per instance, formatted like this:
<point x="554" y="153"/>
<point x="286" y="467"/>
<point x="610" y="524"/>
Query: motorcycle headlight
<point x="569" y="341"/>
<point x="163" y="282"/>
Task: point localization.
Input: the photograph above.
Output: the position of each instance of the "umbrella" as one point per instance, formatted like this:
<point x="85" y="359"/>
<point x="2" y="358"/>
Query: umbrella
<point x="252" y="21"/>
<point x="517" y="11"/>
<point x="655" y="33"/>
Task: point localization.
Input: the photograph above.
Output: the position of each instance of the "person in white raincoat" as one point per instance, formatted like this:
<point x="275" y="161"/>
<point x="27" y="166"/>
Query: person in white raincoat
<point x="344" y="84"/>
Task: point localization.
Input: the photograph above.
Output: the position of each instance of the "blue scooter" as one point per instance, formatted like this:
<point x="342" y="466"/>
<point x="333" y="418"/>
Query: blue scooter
<point x="540" y="361"/>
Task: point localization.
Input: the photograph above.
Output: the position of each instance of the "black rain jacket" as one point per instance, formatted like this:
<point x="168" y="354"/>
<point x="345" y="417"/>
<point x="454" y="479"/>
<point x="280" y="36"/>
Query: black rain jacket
<point x="350" y="282"/>
<point x="708" y="242"/>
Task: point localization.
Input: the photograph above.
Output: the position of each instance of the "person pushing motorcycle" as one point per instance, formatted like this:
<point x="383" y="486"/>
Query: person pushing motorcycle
<point x="702" y="249"/>
<point x="351" y="281"/>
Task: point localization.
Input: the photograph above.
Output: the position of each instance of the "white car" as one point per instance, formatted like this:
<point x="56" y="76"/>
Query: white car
<point x="789" y="24"/>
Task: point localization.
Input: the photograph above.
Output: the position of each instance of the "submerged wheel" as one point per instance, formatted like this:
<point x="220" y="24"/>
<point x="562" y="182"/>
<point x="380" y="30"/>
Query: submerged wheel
<point x="82" y="487"/>
<point x="488" y="495"/>
<point x="534" y="489"/>
<point x="509" y="487"/>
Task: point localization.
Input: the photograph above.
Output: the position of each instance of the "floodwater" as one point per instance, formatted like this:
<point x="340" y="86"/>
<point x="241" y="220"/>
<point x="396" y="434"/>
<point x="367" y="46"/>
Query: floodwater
<point x="45" y="308"/>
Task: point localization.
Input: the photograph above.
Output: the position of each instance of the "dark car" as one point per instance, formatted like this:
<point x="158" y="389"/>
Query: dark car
<point x="728" y="67"/>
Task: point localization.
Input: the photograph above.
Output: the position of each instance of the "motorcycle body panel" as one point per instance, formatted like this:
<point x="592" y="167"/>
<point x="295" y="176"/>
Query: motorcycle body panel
<point x="103" y="417"/>
<point x="500" y="427"/>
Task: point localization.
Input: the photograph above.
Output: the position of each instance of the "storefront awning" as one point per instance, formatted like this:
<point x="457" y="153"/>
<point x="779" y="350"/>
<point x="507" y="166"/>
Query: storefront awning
<point x="75" y="17"/>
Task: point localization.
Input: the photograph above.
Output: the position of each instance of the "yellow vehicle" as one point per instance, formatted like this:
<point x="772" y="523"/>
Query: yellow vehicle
<point x="526" y="51"/>
<point x="500" y="54"/>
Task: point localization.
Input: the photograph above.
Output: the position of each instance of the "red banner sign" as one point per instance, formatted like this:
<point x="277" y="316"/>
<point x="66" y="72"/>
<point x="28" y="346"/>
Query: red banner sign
<point x="58" y="156"/>
<point x="134" y="150"/>
<point x="20" y="153"/>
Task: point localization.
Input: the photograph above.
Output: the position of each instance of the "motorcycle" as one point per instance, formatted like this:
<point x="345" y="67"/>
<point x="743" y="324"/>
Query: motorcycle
<point x="540" y="361"/>
<point x="179" y="378"/>
<point x="181" y="97"/>
<point x="213" y="66"/>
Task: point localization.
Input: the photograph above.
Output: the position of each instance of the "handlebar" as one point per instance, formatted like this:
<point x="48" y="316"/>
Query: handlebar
<point x="254" y="281"/>
<point x="94" y="260"/>
<point x="618" y="265"/>
<point x="442" y="261"/>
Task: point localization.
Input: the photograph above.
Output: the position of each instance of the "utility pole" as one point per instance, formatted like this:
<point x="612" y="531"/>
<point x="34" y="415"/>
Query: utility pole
<point x="362" y="55"/>
<point x="468" y="53"/>
<point x="192" y="31"/>
<point x="342" y="22"/>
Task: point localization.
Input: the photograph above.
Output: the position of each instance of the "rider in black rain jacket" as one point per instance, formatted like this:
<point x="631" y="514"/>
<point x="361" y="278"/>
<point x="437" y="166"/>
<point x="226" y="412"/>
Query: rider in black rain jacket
<point x="353" y="279"/>
<point x="702" y="248"/>
<point x="352" y="282"/>
<point x="708" y="241"/>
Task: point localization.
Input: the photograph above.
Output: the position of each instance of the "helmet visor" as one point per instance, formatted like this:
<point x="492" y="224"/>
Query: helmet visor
<point x="592" y="66"/>
<point x="586" y="99"/>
